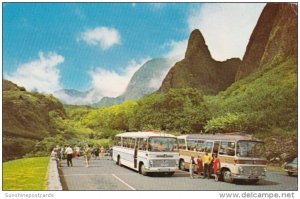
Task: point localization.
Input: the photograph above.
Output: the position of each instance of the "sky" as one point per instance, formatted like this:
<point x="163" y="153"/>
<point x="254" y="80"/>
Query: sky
<point x="99" y="46"/>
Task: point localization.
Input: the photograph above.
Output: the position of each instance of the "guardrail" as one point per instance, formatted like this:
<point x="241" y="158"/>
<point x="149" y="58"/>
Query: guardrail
<point x="53" y="176"/>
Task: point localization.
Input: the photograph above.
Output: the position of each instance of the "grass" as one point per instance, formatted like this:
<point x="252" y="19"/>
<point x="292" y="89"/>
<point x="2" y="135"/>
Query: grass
<point x="26" y="174"/>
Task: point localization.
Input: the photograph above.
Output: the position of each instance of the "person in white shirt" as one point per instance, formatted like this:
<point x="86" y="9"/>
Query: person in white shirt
<point x="69" y="152"/>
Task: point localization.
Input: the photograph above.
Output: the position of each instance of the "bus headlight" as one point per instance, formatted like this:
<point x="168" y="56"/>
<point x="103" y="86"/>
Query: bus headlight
<point x="264" y="171"/>
<point x="241" y="170"/>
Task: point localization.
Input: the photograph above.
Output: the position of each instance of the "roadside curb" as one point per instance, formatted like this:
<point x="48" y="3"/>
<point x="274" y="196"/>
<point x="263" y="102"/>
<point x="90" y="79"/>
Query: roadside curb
<point x="53" y="176"/>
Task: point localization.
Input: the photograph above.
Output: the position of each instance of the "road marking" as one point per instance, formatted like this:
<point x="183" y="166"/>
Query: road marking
<point x="123" y="182"/>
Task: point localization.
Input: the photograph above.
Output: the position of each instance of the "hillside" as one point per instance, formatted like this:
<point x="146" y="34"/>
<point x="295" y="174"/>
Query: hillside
<point x="199" y="70"/>
<point x="144" y="81"/>
<point x="27" y="118"/>
<point x="273" y="39"/>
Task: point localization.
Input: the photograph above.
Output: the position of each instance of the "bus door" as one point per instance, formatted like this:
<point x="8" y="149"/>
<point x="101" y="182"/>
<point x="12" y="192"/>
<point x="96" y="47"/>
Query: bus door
<point x="135" y="153"/>
<point x="216" y="147"/>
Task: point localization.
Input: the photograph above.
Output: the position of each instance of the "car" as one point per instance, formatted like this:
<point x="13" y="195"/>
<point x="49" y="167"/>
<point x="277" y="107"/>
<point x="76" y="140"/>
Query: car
<point x="292" y="167"/>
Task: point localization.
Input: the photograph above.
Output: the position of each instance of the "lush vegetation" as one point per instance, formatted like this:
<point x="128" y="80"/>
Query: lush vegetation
<point x="265" y="100"/>
<point x="25" y="174"/>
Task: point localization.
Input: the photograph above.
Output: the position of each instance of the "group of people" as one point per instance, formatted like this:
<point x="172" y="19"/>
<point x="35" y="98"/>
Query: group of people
<point x="61" y="153"/>
<point x="207" y="164"/>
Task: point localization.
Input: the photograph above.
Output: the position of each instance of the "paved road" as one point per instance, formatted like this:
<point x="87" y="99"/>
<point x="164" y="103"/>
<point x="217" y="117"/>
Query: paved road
<point x="106" y="175"/>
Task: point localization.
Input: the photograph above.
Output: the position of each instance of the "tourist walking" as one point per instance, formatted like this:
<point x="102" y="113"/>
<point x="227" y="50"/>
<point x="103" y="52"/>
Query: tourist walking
<point x="69" y="152"/>
<point x="75" y="152"/>
<point x="62" y="154"/>
<point x="192" y="166"/>
<point x="88" y="155"/>
<point x="97" y="150"/>
<point x="102" y="151"/>
<point x="207" y="160"/>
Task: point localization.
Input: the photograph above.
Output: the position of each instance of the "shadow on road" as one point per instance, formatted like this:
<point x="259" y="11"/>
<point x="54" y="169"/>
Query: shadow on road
<point x="62" y="180"/>
<point x="260" y="183"/>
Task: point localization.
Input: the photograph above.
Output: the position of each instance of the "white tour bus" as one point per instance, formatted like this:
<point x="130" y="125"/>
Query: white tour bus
<point x="147" y="152"/>
<point x="241" y="156"/>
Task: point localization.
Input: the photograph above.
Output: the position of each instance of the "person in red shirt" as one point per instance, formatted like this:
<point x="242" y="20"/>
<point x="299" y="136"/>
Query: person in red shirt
<point x="199" y="165"/>
<point x="216" y="166"/>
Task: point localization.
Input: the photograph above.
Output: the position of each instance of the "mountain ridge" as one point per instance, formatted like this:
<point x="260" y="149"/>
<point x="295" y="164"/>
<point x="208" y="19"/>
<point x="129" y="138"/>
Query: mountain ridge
<point x="199" y="70"/>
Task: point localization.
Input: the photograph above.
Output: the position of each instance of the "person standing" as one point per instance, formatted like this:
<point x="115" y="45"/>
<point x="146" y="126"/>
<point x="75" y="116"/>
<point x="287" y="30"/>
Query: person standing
<point x="62" y="154"/>
<point x="207" y="160"/>
<point x="192" y="166"/>
<point x="88" y="155"/>
<point x="102" y="152"/>
<point x="69" y="152"/>
<point x="216" y="167"/>
<point x="97" y="150"/>
<point x="199" y="165"/>
<point x="54" y="154"/>
<point x="75" y="152"/>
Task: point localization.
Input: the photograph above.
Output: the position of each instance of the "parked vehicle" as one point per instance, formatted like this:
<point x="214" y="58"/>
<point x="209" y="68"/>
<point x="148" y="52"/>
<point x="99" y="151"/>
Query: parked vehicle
<point x="147" y="152"/>
<point x="240" y="155"/>
<point x="292" y="167"/>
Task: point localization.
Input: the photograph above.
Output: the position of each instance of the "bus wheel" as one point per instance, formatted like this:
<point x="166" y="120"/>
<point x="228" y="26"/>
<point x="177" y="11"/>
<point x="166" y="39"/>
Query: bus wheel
<point x="119" y="160"/>
<point x="142" y="169"/>
<point x="181" y="165"/>
<point x="227" y="176"/>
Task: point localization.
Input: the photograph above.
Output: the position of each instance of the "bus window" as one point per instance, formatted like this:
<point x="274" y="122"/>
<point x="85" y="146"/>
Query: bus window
<point x="167" y="144"/>
<point x="216" y="147"/>
<point x="200" y="146"/>
<point x="117" y="141"/>
<point x="227" y="148"/>
<point x="181" y="143"/>
<point x="130" y="143"/>
<point x="142" y="143"/>
<point x="125" y="142"/>
<point x="208" y="146"/>
<point x="191" y="145"/>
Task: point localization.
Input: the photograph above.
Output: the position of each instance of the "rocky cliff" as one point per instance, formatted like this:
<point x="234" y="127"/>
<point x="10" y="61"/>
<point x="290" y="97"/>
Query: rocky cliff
<point x="199" y="70"/>
<point x="273" y="39"/>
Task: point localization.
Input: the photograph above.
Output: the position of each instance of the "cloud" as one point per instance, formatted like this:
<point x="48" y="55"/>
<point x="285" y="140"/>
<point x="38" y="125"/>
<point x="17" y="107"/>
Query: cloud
<point x="109" y="83"/>
<point x="40" y="75"/>
<point x="103" y="36"/>
<point x="226" y="27"/>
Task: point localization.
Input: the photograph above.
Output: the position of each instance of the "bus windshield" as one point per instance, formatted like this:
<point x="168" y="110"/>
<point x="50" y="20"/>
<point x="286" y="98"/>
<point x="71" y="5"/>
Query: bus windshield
<point x="166" y="144"/>
<point x="253" y="149"/>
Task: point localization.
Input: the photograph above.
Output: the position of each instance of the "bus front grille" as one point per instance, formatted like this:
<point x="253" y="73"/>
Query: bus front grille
<point x="164" y="163"/>
<point x="253" y="170"/>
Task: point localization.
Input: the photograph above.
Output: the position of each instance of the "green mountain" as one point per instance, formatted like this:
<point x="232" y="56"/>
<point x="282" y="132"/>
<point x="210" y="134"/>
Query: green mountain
<point x="274" y="38"/>
<point x="199" y="70"/>
<point x="144" y="81"/>
<point x="27" y="118"/>
<point x="264" y="99"/>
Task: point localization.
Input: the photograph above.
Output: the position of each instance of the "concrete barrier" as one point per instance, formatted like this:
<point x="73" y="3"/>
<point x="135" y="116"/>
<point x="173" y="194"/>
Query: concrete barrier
<point x="53" y="176"/>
